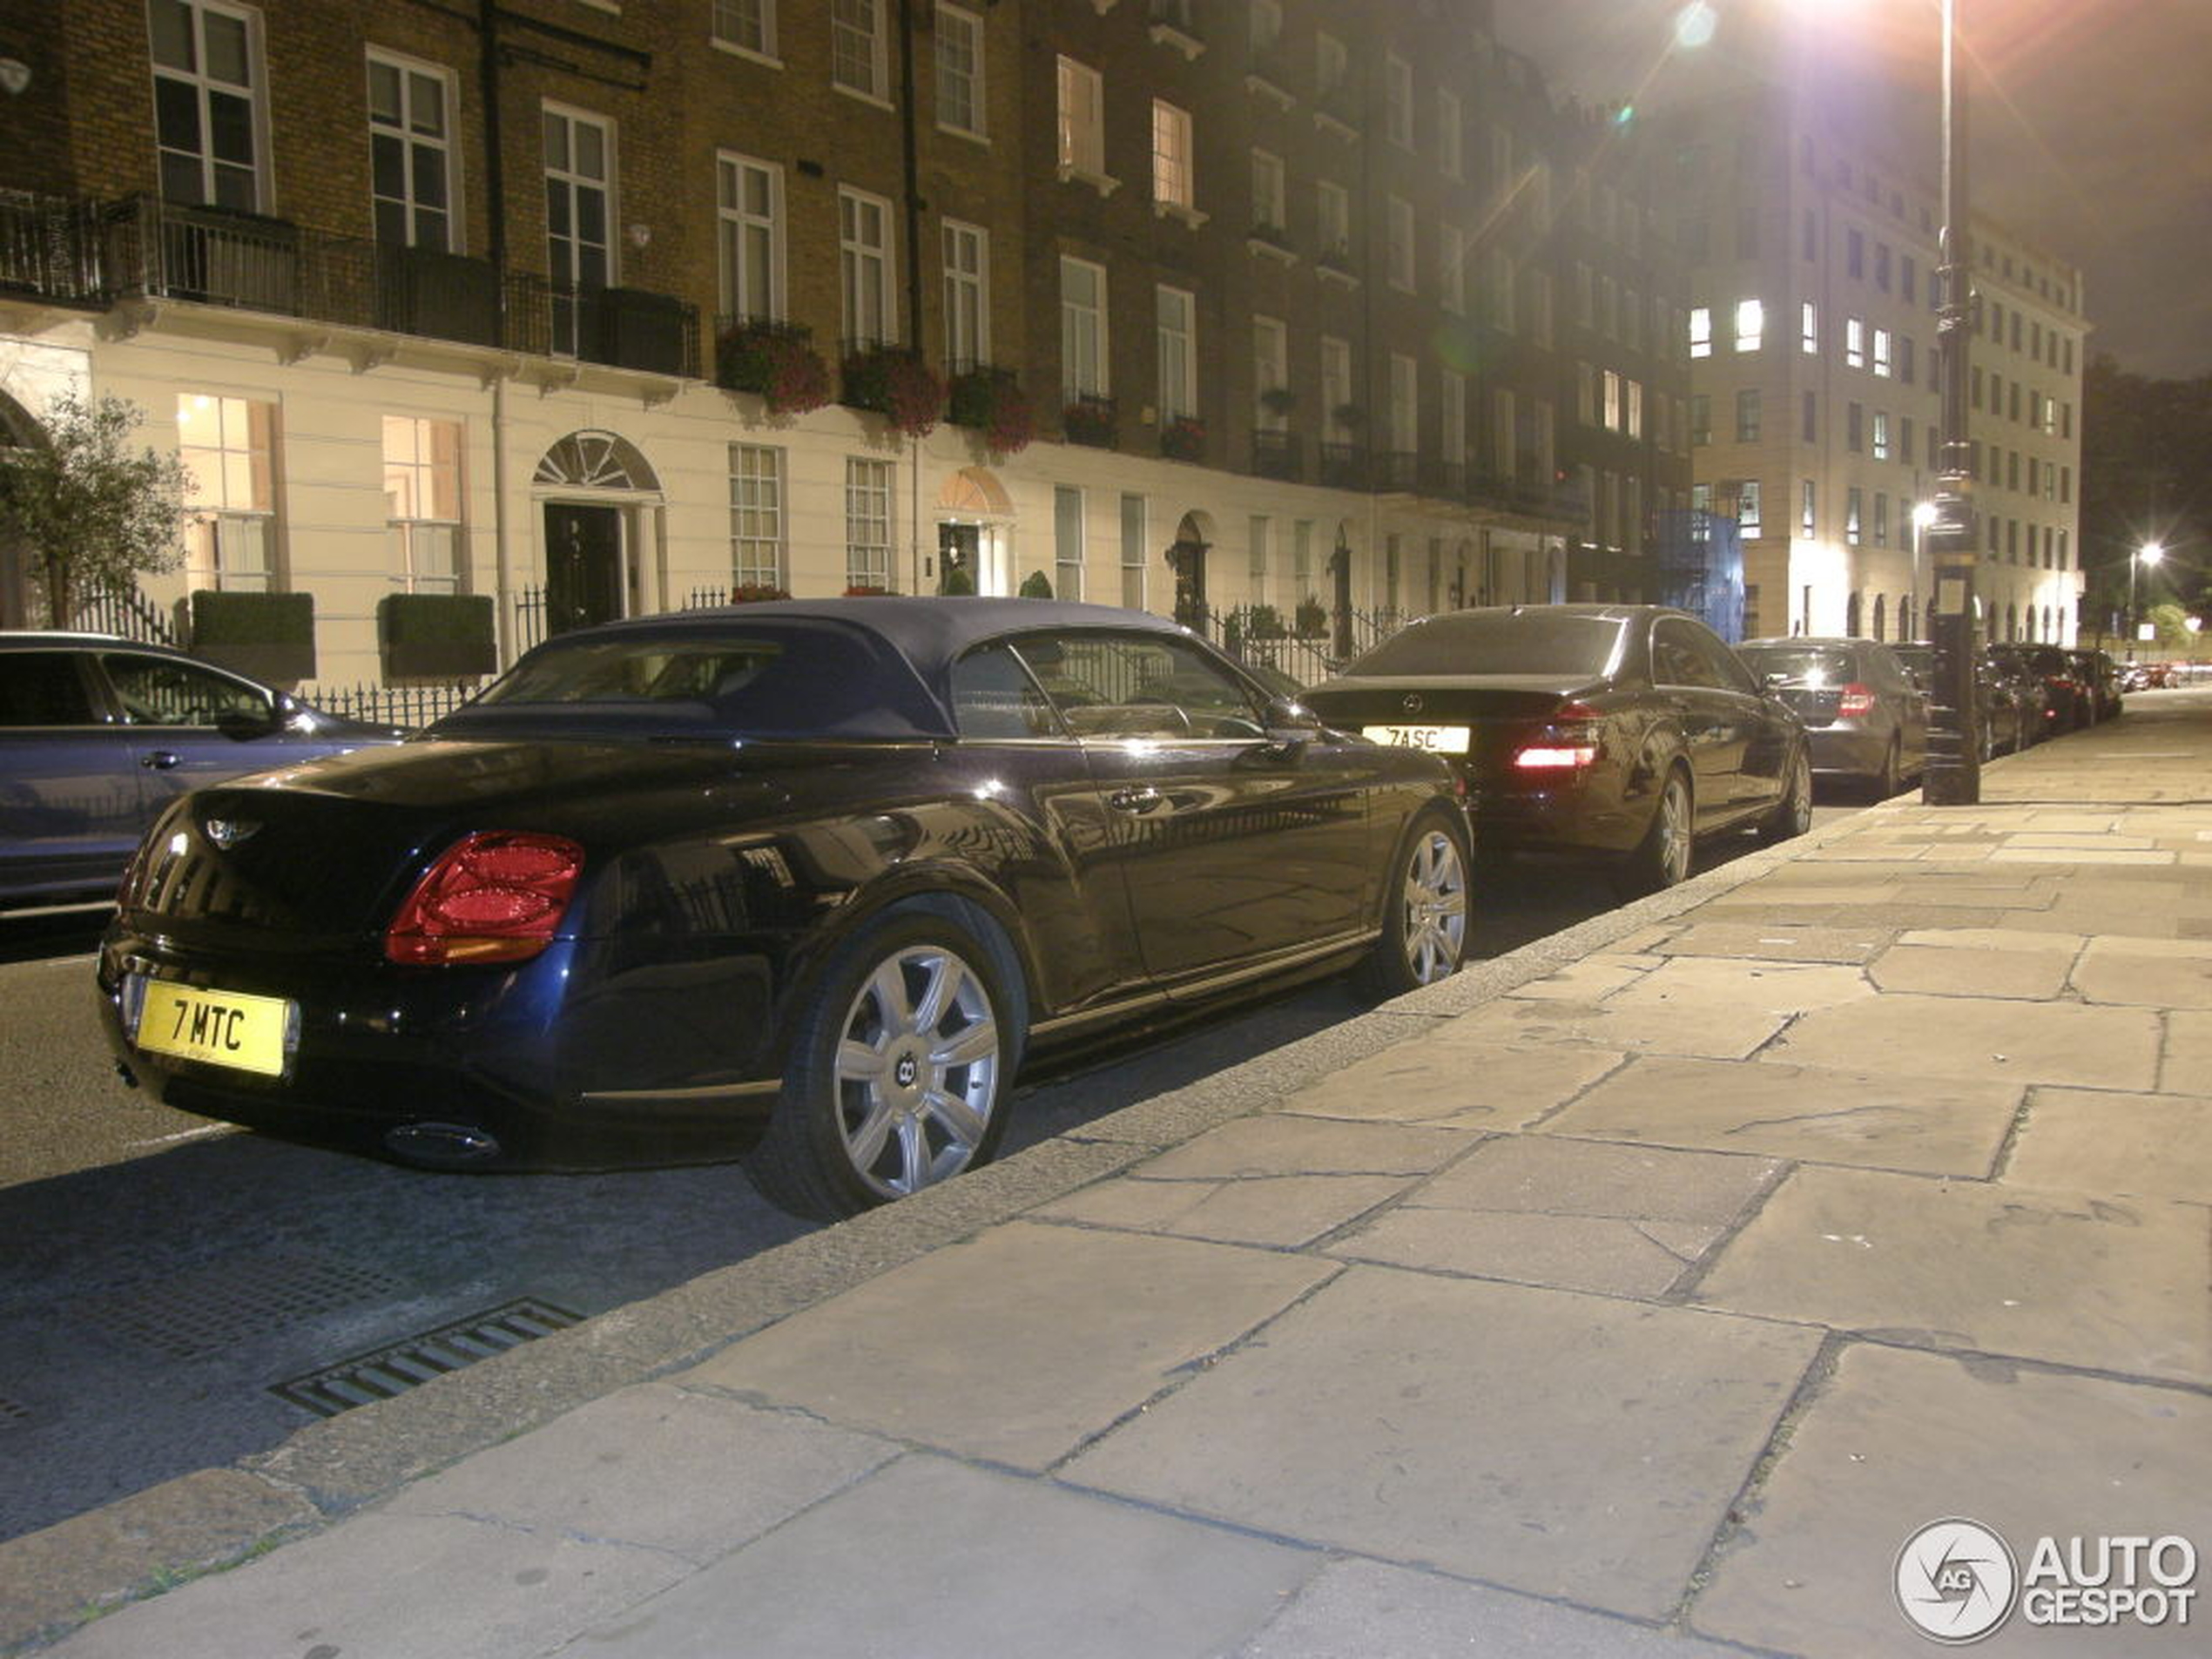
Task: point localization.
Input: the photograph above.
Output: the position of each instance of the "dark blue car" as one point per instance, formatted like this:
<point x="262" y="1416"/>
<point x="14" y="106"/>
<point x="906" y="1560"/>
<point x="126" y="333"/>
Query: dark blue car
<point x="98" y="734"/>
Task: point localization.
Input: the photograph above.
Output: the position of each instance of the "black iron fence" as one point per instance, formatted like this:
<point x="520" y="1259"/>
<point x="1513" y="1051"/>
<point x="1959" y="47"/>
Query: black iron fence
<point x="410" y="706"/>
<point x="127" y="612"/>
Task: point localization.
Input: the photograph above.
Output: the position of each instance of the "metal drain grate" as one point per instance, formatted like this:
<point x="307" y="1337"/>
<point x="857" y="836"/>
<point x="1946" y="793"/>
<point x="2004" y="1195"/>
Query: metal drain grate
<point x="212" y="1307"/>
<point x="386" y="1371"/>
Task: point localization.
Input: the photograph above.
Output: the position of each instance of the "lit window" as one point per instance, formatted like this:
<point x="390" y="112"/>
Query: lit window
<point x="1171" y="184"/>
<point x="1808" y="327"/>
<point x="1082" y="120"/>
<point x="226" y="445"/>
<point x="1882" y="352"/>
<point x="1854" y="343"/>
<point x="1750" y="324"/>
<point x="423" y="502"/>
<point x="1700" y="331"/>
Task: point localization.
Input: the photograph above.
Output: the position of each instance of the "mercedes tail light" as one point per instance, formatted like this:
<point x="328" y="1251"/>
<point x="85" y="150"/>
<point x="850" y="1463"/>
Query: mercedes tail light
<point x="1567" y="743"/>
<point x="1858" y="702"/>
<point x="495" y="896"/>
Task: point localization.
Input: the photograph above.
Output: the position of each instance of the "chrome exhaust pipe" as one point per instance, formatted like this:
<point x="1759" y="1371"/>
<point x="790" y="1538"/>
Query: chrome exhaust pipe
<point x="443" y="1146"/>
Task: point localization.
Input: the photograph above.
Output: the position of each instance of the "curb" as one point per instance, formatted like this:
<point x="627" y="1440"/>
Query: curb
<point x="62" y="1577"/>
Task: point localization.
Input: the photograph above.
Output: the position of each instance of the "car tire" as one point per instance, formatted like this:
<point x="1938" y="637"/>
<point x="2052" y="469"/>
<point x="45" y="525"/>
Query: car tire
<point x="1792" y="814"/>
<point x="900" y="1072"/>
<point x="1662" y="858"/>
<point x="1425" y="910"/>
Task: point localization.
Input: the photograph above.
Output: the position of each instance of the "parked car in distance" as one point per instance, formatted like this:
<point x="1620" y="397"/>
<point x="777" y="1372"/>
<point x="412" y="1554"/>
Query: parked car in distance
<point x="1617" y="733"/>
<point x="2069" y="700"/>
<point x="1867" y="719"/>
<point x="799" y="882"/>
<point x="2015" y="698"/>
<point x="98" y="734"/>
<point x="2101" y="673"/>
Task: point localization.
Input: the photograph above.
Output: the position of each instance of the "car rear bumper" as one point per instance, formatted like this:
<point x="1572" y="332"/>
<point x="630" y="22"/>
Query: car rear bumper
<point x="1846" y="751"/>
<point x="484" y="1068"/>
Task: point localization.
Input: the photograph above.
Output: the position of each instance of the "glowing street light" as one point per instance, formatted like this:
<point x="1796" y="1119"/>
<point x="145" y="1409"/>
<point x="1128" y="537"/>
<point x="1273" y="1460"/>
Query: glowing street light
<point x="2149" y="553"/>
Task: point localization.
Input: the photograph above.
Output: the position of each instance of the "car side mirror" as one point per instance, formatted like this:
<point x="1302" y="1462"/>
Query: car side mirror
<point x="1290" y="722"/>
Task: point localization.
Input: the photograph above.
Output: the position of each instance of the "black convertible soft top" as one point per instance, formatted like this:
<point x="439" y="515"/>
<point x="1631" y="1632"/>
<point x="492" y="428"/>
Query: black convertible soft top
<point x="875" y="667"/>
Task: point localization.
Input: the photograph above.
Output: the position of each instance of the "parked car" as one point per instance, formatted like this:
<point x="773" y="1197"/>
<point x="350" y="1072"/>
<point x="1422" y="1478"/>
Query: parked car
<point x="1867" y="720"/>
<point x="1613" y="732"/>
<point x="2069" y="701"/>
<point x="2002" y="696"/>
<point x="2101" y="673"/>
<point x="98" y="734"/>
<point x="800" y="881"/>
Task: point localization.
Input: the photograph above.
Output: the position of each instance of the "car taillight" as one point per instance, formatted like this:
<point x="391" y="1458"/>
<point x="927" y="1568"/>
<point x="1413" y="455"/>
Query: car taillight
<point x="1858" y="700"/>
<point x="1568" y="744"/>
<point x="495" y="896"/>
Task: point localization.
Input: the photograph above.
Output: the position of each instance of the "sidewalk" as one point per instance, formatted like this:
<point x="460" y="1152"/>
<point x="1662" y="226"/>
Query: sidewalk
<point x="1638" y="1293"/>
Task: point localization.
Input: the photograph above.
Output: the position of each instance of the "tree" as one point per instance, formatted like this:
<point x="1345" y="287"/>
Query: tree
<point x="90" y="513"/>
<point x="2143" y="478"/>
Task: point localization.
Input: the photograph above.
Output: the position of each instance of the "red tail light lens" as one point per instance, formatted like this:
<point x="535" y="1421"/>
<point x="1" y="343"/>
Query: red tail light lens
<point x="1858" y="700"/>
<point x="1568" y="744"/>
<point x="495" y="896"/>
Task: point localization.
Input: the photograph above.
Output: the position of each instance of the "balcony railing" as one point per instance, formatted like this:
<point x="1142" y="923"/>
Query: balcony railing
<point x="1277" y="454"/>
<point x="1343" y="466"/>
<point x="1396" y="470"/>
<point x="98" y="253"/>
<point x="1093" y="419"/>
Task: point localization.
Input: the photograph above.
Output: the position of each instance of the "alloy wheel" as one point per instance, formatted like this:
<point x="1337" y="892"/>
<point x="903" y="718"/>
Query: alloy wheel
<point x="1436" y="909"/>
<point x="917" y="1070"/>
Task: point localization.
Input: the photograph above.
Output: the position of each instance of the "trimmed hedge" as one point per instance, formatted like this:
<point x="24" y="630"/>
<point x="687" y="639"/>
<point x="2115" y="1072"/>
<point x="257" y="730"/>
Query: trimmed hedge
<point x="436" y="635"/>
<point x="269" y="636"/>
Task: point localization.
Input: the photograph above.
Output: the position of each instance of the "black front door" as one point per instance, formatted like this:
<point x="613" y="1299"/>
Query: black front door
<point x="959" y="550"/>
<point x="1188" y="559"/>
<point x="582" y="566"/>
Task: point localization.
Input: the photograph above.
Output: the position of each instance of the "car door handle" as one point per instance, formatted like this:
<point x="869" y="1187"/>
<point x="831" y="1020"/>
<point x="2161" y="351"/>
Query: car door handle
<point x="161" y="759"/>
<point x="1144" y="798"/>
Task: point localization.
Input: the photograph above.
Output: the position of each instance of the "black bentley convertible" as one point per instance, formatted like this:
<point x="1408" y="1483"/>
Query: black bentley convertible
<point x="801" y="882"/>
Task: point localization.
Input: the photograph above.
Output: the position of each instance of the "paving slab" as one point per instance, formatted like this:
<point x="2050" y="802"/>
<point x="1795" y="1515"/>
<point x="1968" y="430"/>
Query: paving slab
<point x="2165" y="973"/>
<point x="392" y="1586"/>
<point x="1591" y="979"/>
<point x="1452" y="1080"/>
<point x="1345" y="1608"/>
<point x="1570" y="1445"/>
<point x="1578" y="1215"/>
<point x="1888" y="1121"/>
<point x="1284" y="1212"/>
<point x="1714" y="1030"/>
<point x="2014" y="1271"/>
<point x="1977" y="1037"/>
<point x="1978" y="961"/>
<point x="1778" y="941"/>
<point x="654" y="1466"/>
<point x="1765" y="987"/>
<point x="1292" y="1144"/>
<point x="2127" y="1145"/>
<point x="932" y="1559"/>
<point x="1897" y="1440"/>
<point x="2185" y="1068"/>
<point x="1017" y="1346"/>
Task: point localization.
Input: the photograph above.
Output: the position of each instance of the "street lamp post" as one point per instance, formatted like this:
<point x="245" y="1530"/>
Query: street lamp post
<point x="1953" y="774"/>
<point x="1924" y="514"/>
<point x="2149" y="553"/>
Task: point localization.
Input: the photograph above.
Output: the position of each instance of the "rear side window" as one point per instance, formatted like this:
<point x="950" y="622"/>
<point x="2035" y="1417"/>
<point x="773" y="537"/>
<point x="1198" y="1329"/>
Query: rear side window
<point x="1139" y="686"/>
<point x="994" y="697"/>
<point x="43" y="688"/>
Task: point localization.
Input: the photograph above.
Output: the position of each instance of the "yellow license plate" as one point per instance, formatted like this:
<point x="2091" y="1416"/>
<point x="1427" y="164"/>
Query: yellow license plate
<point x="221" y="1028"/>
<point x="1437" y="739"/>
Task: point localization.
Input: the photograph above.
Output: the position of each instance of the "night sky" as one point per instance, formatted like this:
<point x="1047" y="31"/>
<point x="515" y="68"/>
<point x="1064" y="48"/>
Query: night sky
<point x="2091" y="123"/>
